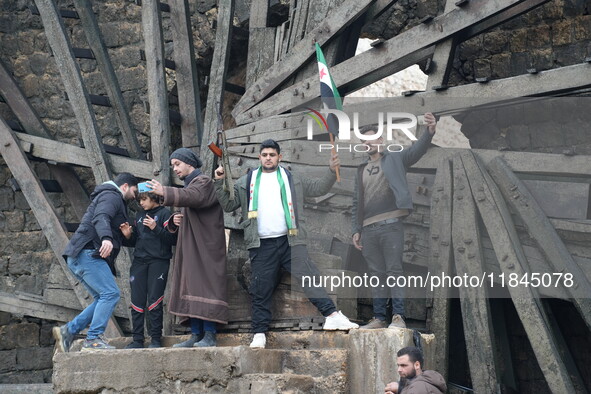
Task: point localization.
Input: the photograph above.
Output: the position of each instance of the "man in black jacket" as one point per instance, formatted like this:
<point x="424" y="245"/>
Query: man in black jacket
<point x="380" y="202"/>
<point x="91" y="255"/>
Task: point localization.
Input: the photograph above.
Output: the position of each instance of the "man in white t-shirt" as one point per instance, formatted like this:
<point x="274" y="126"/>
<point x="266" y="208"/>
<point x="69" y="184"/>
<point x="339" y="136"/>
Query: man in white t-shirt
<point x="271" y="198"/>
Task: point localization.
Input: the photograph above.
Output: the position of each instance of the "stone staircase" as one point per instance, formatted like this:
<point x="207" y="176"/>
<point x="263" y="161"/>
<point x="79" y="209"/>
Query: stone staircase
<point x="294" y="362"/>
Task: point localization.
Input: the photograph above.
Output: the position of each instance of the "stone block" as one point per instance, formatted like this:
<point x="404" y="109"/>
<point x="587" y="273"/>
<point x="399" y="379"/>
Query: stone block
<point x="583" y="27"/>
<point x="25" y="42"/>
<point x="30" y="284"/>
<point x="500" y="65"/>
<point x="25" y="377"/>
<point x="19" y="335"/>
<point x="20" y="67"/>
<point x="36" y="358"/>
<point x="519" y="63"/>
<point x="38" y="62"/>
<point x="518" y="40"/>
<point x="132" y="78"/>
<point x="6" y="199"/>
<point x="538" y="37"/>
<point x="562" y="32"/>
<point x="482" y="68"/>
<point x="570" y="54"/>
<point x="15" y="220"/>
<point x="7" y="360"/>
<point x="542" y="59"/>
<point x="547" y="134"/>
<point x="471" y="48"/>
<point x="31" y="223"/>
<point x="5" y="318"/>
<point x="45" y="335"/>
<point x="20" y="202"/>
<point x="496" y="41"/>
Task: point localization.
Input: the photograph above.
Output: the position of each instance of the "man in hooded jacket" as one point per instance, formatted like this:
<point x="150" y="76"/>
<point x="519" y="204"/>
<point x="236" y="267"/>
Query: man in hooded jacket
<point x="413" y="380"/>
<point x="91" y="255"/>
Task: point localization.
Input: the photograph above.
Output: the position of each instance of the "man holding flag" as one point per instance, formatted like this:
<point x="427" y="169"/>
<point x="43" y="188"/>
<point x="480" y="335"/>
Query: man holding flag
<point x="272" y="199"/>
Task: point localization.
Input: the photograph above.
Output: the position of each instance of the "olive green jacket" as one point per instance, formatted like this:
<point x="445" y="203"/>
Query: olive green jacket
<point x="304" y="187"/>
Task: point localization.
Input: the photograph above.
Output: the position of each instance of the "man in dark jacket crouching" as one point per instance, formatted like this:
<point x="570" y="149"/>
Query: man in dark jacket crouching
<point x="91" y="255"/>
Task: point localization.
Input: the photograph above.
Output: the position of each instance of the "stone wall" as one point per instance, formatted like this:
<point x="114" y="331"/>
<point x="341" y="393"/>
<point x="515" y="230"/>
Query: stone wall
<point x="26" y="349"/>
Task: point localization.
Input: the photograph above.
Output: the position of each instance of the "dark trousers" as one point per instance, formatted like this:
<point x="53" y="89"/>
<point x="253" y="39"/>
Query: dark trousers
<point x="267" y="261"/>
<point x="148" y="281"/>
<point x="382" y="250"/>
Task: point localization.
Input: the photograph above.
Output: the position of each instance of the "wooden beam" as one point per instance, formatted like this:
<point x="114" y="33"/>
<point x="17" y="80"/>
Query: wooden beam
<point x="363" y="69"/>
<point x="259" y="10"/>
<point x="302" y="51"/>
<point x="443" y="56"/>
<point x="186" y="74"/>
<point x="512" y="261"/>
<point x="35" y="307"/>
<point x="157" y="92"/>
<point x="540" y="229"/>
<point x="217" y="78"/>
<point x="99" y="49"/>
<point x="72" y="79"/>
<point x="44" y="212"/>
<point x="474" y="300"/>
<point x="441" y="260"/>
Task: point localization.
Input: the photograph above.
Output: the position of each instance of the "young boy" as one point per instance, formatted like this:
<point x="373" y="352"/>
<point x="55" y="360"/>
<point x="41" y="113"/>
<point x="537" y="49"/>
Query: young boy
<point x="149" y="269"/>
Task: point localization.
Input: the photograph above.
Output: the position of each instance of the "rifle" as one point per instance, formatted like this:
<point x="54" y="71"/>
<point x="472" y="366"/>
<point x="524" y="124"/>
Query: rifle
<point x="220" y="151"/>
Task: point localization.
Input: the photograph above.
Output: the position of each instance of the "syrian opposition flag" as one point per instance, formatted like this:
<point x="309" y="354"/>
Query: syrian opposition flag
<point x="328" y="92"/>
<point x="330" y="99"/>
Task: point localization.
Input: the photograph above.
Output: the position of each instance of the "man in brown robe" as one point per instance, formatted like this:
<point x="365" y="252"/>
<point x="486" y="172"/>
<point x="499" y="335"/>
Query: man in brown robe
<point x="198" y="292"/>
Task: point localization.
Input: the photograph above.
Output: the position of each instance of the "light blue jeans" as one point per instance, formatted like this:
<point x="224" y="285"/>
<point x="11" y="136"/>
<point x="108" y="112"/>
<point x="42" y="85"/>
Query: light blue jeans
<point x="96" y="276"/>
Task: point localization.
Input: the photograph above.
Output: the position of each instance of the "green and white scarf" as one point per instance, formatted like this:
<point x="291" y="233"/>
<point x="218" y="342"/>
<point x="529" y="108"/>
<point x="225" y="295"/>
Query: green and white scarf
<point x="287" y="197"/>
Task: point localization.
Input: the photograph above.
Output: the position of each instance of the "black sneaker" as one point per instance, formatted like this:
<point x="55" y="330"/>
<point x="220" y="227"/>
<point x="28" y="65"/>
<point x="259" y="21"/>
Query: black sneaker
<point x="155" y="343"/>
<point x="135" y="345"/>
<point x="96" y="344"/>
<point x="63" y="338"/>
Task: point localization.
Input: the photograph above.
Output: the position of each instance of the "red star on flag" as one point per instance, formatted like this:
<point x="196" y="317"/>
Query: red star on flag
<point x="322" y="73"/>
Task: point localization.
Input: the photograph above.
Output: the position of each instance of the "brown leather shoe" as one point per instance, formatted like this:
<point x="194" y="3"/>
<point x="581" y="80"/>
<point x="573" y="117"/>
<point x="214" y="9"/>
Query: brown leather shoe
<point x="374" y="324"/>
<point x="397" y="322"/>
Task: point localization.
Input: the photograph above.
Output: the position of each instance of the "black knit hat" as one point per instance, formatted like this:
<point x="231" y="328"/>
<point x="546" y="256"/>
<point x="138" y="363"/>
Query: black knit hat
<point x="186" y="155"/>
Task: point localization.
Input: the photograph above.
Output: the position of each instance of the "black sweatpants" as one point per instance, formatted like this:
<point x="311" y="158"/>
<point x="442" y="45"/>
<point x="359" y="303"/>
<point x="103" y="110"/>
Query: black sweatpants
<point x="266" y="262"/>
<point x="148" y="281"/>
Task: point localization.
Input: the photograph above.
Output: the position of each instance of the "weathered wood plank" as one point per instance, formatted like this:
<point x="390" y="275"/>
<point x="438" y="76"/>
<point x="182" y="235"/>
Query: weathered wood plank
<point x="512" y="260"/>
<point x="361" y="70"/>
<point x="157" y="92"/>
<point x="99" y="49"/>
<point x="72" y="187"/>
<point x="261" y="53"/>
<point x="441" y="260"/>
<point x="19" y="305"/>
<point x="540" y="228"/>
<point x="474" y="301"/>
<point x="217" y="78"/>
<point x="443" y="56"/>
<point x="61" y="152"/>
<point x="72" y="78"/>
<point x="259" y="9"/>
<point x="44" y="212"/>
<point x="186" y="74"/>
<point x="563" y="200"/>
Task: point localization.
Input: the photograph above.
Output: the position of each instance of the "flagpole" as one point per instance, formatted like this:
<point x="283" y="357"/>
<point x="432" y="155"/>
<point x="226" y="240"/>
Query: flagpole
<point x="334" y="152"/>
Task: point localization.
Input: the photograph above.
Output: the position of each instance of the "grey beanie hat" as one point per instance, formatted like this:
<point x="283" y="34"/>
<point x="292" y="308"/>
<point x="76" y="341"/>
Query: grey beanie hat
<point x="186" y="155"/>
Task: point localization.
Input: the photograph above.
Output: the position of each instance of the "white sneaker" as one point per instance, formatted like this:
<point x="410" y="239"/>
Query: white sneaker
<point x="258" y="341"/>
<point x="338" y="322"/>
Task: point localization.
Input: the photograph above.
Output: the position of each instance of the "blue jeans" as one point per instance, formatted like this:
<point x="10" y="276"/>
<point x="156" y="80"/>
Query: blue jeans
<point x="382" y="250"/>
<point x="198" y="326"/>
<point x="95" y="274"/>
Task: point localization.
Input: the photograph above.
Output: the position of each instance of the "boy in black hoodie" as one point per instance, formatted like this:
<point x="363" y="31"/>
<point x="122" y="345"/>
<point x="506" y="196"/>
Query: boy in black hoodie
<point x="149" y="269"/>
